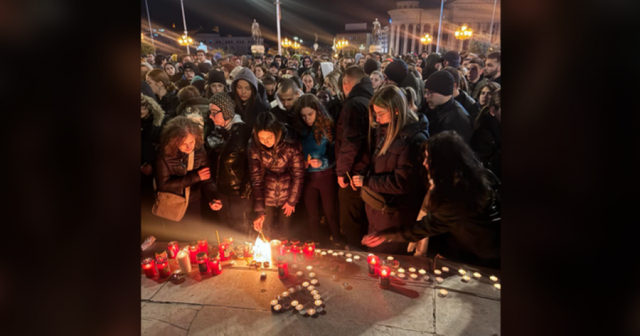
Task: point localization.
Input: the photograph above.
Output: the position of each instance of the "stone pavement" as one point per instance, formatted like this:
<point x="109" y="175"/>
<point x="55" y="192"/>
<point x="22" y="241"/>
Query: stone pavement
<point x="237" y="302"/>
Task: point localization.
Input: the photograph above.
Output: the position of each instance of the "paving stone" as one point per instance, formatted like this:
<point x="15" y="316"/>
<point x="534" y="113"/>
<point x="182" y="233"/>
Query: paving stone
<point x="179" y="315"/>
<point x="460" y="314"/>
<point x="159" y="328"/>
<point x="149" y="287"/>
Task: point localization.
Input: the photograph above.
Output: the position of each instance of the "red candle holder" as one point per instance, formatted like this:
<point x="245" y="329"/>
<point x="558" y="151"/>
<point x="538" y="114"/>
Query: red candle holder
<point x="203" y="262"/>
<point x="225" y="249"/>
<point x="163" y="265"/>
<point x="286" y="251"/>
<point x="149" y="267"/>
<point x="298" y="254"/>
<point x="295" y="242"/>
<point x="373" y="263"/>
<point x="173" y="249"/>
<point x="193" y="252"/>
<point x="248" y="250"/>
<point x="214" y="264"/>
<point x="309" y="250"/>
<point x="385" y="275"/>
<point x="203" y="246"/>
<point x="283" y="267"/>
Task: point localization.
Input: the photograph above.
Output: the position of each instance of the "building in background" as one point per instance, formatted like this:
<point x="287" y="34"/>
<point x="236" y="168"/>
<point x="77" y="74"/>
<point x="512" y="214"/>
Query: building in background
<point x="409" y="23"/>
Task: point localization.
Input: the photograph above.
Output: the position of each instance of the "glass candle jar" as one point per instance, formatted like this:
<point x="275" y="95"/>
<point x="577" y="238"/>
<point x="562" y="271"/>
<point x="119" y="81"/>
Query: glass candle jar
<point x="149" y="267"/>
<point x="173" y="249"/>
<point x="203" y="262"/>
<point x="204" y="246"/>
<point x="385" y="275"/>
<point x="162" y="264"/>
<point x="287" y="251"/>
<point x="299" y="254"/>
<point x="214" y="265"/>
<point x="309" y="250"/>
<point x="283" y="267"/>
<point x="193" y="252"/>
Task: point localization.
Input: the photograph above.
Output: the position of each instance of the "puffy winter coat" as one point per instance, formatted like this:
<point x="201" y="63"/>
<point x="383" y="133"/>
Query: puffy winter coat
<point x="172" y="175"/>
<point x="231" y="166"/>
<point x="470" y="105"/>
<point x="450" y="116"/>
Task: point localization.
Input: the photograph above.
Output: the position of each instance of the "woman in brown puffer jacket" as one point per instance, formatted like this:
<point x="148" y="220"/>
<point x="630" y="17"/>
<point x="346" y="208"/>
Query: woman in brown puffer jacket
<point x="276" y="168"/>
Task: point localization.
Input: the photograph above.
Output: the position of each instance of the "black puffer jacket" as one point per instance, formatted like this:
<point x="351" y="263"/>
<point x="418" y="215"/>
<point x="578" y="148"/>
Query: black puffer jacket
<point x="352" y="151"/>
<point x="450" y="116"/>
<point x="398" y="174"/>
<point x="277" y="175"/>
<point x="169" y="104"/>
<point x="172" y="175"/>
<point x="470" y="105"/>
<point x="231" y="166"/>
<point x="486" y="143"/>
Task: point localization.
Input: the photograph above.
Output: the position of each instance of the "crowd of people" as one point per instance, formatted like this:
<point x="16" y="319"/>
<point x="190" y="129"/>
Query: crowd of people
<point x="370" y="152"/>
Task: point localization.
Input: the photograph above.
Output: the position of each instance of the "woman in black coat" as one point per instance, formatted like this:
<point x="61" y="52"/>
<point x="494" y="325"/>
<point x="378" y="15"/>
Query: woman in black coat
<point x="486" y="141"/>
<point x="462" y="205"/>
<point x="165" y="91"/>
<point x="181" y="137"/>
<point x="394" y="171"/>
<point x="152" y="117"/>
<point x="249" y="96"/>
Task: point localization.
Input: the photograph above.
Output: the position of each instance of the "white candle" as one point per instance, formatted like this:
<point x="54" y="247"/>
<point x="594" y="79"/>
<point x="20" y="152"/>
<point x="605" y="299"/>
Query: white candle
<point x="390" y="258"/>
<point x="445" y="269"/>
<point x="274" y="302"/>
<point x="421" y="271"/>
<point x="413" y="276"/>
<point x="493" y="278"/>
<point x="330" y="251"/>
<point x="317" y="302"/>
<point x="311" y="311"/>
<point x="323" y="254"/>
<point x="348" y="255"/>
<point x="462" y="272"/>
<point x="299" y="274"/>
<point x="292" y="290"/>
<point x="317" y="297"/>
<point x="184" y="262"/>
<point x="300" y="308"/>
<point x="439" y="279"/>
<point x="277" y="307"/>
<point x="393" y="273"/>
<point x="314" y="292"/>
<point x="294" y="303"/>
<point x="305" y="284"/>
<point x="341" y="253"/>
<point x="412" y="269"/>
<point x="311" y="288"/>
<point x="497" y="286"/>
<point x="437" y="272"/>
<point x="356" y="258"/>
<point x="309" y="268"/>
<point x="402" y="275"/>
<point x="443" y="292"/>
<point x="312" y="275"/>
<point x="285" y="294"/>
<point x="400" y="270"/>
<point x="466" y="278"/>
<point x="335" y="254"/>
<point x="477" y="275"/>
<point x="314" y="281"/>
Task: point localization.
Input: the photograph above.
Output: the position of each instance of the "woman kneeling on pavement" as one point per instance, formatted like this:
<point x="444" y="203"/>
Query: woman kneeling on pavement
<point x="393" y="177"/>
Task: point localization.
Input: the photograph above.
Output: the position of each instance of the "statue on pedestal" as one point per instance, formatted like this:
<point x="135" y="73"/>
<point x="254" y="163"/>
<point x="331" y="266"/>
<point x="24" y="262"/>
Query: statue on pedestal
<point x="376" y="34"/>
<point x="255" y="33"/>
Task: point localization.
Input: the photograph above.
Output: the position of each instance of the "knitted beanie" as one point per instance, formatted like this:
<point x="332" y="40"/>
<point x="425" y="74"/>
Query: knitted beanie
<point x="225" y="103"/>
<point x="396" y="71"/>
<point x="371" y="65"/>
<point x="440" y="82"/>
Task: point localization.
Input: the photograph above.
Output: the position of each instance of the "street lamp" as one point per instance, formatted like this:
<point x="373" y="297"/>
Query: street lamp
<point x="296" y="46"/>
<point x="463" y="33"/>
<point x="342" y="43"/>
<point x="426" y="39"/>
<point x="286" y="43"/>
<point x="185" y="38"/>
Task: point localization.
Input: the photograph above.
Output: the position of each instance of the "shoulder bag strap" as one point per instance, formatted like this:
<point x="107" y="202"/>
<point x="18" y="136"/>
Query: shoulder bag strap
<point x="189" y="168"/>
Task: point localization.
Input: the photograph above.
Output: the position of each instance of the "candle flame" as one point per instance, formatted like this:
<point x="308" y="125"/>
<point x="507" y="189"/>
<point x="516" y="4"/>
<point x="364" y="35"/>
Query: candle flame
<point x="261" y="250"/>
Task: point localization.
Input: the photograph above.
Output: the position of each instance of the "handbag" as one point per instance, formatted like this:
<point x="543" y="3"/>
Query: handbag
<point x="171" y="206"/>
<point x="376" y="201"/>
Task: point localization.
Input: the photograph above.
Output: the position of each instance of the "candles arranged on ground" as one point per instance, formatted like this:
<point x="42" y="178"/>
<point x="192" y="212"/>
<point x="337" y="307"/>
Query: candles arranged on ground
<point x="314" y="282"/>
<point x="335" y="254"/>
<point x="497" y="286"/>
<point x="390" y="258"/>
<point x="323" y="254"/>
<point x="412" y="269"/>
<point x="203" y="262"/>
<point x="349" y="260"/>
<point x="294" y="303"/>
<point x="314" y="292"/>
<point x="462" y="272"/>
<point x="283" y="267"/>
<point x="466" y="278"/>
<point x="184" y="262"/>
<point x="305" y="284"/>
<point x="437" y="272"/>
<point x="216" y="266"/>
<point x="439" y="279"/>
<point x="203" y="245"/>
<point x="330" y="251"/>
<point x="291" y="290"/>
<point x="193" y="252"/>
<point x="275" y="306"/>
<point x="443" y="292"/>
<point x="317" y="303"/>
<point x="299" y="274"/>
<point x="173" y="249"/>
<point x="348" y="255"/>
<point x="299" y="288"/>
<point x="402" y="275"/>
<point x="309" y="268"/>
<point x="413" y="276"/>
<point x="373" y="264"/>
<point x="284" y="295"/>
<point x="356" y="258"/>
<point x="494" y="278"/>
<point x="445" y="269"/>
<point x="311" y="288"/>
<point x="300" y="309"/>
<point x="163" y="266"/>
<point x="400" y="270"/>
<point x="312" y="275"/>
<point x="384" y="276"/>
<point x="149" y="267"/>
<point x="477" y="275"/>
<point x="317" y="297"/>
<point x="341" y="254"/>
<point x="422" y="271"/>
<point x="311" y="311"/>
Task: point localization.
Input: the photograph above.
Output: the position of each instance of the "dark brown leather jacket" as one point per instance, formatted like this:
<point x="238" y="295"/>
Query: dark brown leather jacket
<point x="276" y="175"/>
<point x="172" y="175"/>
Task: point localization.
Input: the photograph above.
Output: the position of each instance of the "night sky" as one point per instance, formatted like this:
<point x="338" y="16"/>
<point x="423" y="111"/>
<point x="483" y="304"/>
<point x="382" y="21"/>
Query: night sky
<point x="300" y="18"/>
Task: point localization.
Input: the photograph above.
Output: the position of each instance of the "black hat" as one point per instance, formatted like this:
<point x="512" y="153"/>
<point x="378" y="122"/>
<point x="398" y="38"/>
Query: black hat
<point x="204" y="68"/>
<point x="440" y="82"/>
<point x="216" y="76"/>
<point x="396" y="71"/>
<point x="371" y="65"/>
<point x="191" y="66"/>
<point x="273" y="64"/>
<point x="199" y="84"/>
<point x="453" y="58"/>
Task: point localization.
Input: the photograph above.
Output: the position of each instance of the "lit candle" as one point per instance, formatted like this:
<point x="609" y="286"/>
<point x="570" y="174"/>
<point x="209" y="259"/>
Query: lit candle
<point x="345" y="285"/>
<point x="309" y="249"/>
<point x="193" y="252"/>
<point x="317" y="297"/>
<point x="299" y="274"/>
<point x="203" y="245"/>
<point x="203" y="262"/>
<point x="294" y="266"/>
<point x="422" y="271"/>
<point x="223" y="249"/>
<point x="311" y="288"/>
<point x="299" y="288"/>
<point x="312" y="275"/>
<point x="317" y="303"/>
<point x="437" y="272"/>
<point x="149" y="267"/>
<point x="214" y="264"/>
<point x="349" y="260"/>
<point x="323" y="254"/>
<point x="305" y="284"/>
<point x="445" y="269"/>
<point x="300" y="309"/>
<point x="462" y="272"/>
<point x="291" y="290"/>
<point x="413" y="276"/>
<point x="330" y="251"/>
<point x="265" y="264"/>
<point x="232" y="262"/>
<point x="163" y="266"/>
<point x="311" y="311"/>
<point x="373" y="262"/>
<point x="439" y="279"/>
<point x="284" y="295"/>
<point x="466" y="278"/>
<point x="173" y="249"/>
<point x="314" y="292"/>
<point x="277" y="308"/>
<point x="184" y="262"/>
<point x="477" y="275"/>
<point x="390" y="258"/>
<point x="393" y="273"/>
<point x="294" y="303"/>
<point x="412" y="269"/>
<point x="401" y="270"/>
<point x="497" y="286"/>
<point x="341" y="254"/>
<point x="299" y="255"/>
<point x="275" y="245"/>
<point x="335" y="254"/>
<point x="348" y="255"/>
<point x="274" y="303"/>
<point x="309" y="268"/>
<point x="443" y="292"/>
<point x="283" y="267"/>
<point x="356" y="258"/>
<point x="385" y="273"/>
<point x="493" y="278"/>
<point x="402" y="275"/>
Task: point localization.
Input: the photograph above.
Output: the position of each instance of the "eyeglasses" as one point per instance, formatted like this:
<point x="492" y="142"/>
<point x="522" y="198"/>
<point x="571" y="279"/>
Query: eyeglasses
<point x="428" y="93"/>
<point x="215" y="113"/>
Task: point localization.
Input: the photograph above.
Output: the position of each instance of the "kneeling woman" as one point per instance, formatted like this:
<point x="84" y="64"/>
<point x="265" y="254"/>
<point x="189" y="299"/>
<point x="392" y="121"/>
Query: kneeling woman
<point x="276" y="168"/>
<point x="180" y="141"/>
<point x="317" y="135"/>
<point x="394" y="172"/>
<point x="461" y="201"/>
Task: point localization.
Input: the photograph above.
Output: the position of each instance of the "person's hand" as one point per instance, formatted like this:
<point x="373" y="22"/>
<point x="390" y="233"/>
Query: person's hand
<point x="431" y="184"/>
<point x="147" y="169"/>
<point x="288" y="209"/>
<point x="315" y="163"/>
<point x="341" y="182"/>
<point x="258" y="222"/>
<point x="215" y="205"/>
<point x="358" y="180"/>
<point x="204" y="174"/>
<point x="306" y="164"/>
<point x="372" y="240"/>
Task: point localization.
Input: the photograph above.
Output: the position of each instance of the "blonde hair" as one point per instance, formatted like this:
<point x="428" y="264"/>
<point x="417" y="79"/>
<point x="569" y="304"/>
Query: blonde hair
<point x="391" y="98"/>
<point x="334" y="79"/>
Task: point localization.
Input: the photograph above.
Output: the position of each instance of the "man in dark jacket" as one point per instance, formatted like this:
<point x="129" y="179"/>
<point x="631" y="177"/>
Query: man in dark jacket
<point x="352" y="152"/>
<point x="492" y="67"/>
<point x="477" y="80"/>
<point x="190" y="71"/>
<point x="470" y="105"/>
<point x="288" y="93"/>
<point x="448" y="114"/>
<point x="397" y="73"/>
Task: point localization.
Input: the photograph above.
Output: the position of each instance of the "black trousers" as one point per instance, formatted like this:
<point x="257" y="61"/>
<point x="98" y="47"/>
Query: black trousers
<point x="321" y="186"/>
<point x="353" y="219"/>
<point x="276" y="224"/>
<point x="235" y="212"/>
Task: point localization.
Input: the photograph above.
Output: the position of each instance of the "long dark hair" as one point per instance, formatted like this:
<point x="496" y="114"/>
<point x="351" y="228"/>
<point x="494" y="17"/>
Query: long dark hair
<point x="458" y="176"/>
<point x="244" y="111"/>
<point x="323" y="125"/>
<point x="267" y="121"/>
